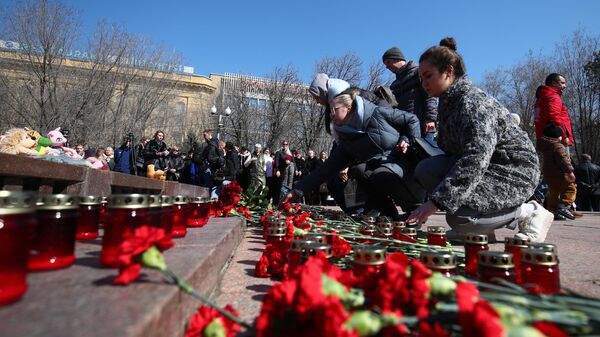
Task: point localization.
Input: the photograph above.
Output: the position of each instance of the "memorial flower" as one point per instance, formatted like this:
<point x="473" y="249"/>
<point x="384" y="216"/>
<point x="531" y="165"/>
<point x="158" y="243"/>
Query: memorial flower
<point x="144" y="240"/>
<point x="208" y="322"/>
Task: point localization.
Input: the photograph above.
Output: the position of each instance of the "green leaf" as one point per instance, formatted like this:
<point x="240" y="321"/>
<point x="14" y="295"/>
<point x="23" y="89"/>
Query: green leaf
<point x="366" y="323"/>
<point x="441" y="285"/>
<point x="351" y="298"/>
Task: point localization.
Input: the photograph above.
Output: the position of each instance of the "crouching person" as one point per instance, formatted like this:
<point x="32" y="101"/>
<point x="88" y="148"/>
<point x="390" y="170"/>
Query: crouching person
<point x="490" y="168"/>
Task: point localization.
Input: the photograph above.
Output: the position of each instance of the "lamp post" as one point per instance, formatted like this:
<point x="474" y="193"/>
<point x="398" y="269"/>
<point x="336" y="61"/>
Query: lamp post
<point x="213" y="111"/>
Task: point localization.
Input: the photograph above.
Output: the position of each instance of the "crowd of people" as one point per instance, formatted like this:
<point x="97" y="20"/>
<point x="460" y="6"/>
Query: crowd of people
<point x="430" y="141"/>
<point x="213" y="163"/>
<point x="434" y="141"/>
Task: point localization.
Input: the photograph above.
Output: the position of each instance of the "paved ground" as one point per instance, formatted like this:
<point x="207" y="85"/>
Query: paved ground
<point x="578" y="246"/>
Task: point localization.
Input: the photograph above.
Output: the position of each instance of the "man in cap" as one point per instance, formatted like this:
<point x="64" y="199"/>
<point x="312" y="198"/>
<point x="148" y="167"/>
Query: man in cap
<point x="409" y="92"/>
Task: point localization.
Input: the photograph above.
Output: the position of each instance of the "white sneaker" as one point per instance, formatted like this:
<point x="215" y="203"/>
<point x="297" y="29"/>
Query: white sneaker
<point x="536" y="225"/>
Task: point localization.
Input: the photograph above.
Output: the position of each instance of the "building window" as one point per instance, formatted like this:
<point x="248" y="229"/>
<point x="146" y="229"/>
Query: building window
<point x="180" y="109"/>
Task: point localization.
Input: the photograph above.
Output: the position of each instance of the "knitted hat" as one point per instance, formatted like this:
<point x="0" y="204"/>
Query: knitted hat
<point x="552" y="131"/>
<point x="288" y="157"/>
<point x="393" y="53"/>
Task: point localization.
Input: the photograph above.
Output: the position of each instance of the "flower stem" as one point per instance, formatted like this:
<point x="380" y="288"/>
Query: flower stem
<point x="186" y="287"/>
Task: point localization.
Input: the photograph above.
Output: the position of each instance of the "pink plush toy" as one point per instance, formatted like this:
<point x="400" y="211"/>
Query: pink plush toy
<point x="58" y="140"/>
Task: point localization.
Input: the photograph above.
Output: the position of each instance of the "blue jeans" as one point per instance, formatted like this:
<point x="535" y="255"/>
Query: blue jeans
<point x="215" y="191"/>
<point x="205" y="178"/>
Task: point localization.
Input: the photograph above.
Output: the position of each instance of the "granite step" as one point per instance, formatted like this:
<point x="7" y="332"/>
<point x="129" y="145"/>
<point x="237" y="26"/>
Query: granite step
<point x="82" y="301"/>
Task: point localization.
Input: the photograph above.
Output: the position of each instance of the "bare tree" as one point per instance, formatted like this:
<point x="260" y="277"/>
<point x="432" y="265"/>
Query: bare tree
<point x="44" y="31"/>
<point x="245" y="117"/>
<point x="376" y="76"/>
<point x="284" y="91"/>
<point x="573" y="54"/>
<point x="516" y="86"/>
<point x="112" y="88"/>
<point x="347" y="67"/>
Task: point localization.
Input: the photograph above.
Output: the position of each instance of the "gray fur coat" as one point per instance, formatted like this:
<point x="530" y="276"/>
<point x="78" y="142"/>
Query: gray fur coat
<point x="497" y="166"/>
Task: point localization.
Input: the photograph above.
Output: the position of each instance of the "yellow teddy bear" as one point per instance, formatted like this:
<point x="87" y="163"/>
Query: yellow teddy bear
<point x="17" y="141"/>
<point x="158" y="174"/>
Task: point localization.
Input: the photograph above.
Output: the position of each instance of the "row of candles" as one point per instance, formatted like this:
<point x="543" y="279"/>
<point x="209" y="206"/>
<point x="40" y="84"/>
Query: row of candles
<point x="532" y="265"/>
<point x="38" y="232"/>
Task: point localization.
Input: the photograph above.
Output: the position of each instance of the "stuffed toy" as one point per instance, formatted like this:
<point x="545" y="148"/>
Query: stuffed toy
<point x="42" y="144"/>
<point x="158" y="174"/>
<point x="58" y="140"/>
<point x="17" y="141"/>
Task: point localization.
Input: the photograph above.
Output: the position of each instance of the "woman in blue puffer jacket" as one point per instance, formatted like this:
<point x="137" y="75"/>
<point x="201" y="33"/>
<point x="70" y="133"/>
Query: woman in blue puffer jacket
<point x="377" y="135"/>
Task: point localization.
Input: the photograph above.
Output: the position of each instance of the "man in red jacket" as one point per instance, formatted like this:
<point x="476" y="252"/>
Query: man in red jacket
<point x="549" y="108"/>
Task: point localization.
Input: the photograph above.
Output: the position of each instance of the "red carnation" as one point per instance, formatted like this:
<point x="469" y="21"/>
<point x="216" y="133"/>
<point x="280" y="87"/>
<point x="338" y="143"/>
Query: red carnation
<point x="275" y="309"/>
<point x="487" y="321"/>
<point x="140" y="240"/>
<point x="339" y="246"/>
<point x="229" y="198"/>
<point x="205" y="315"/>
<point x="245" y="211"/>
<point x="466" y="297"/>
<point x="549" y="329"/>
<point x="427" y="329"/>
<point x="419" y="283"/>
<point x="262" y="267"/>
<point x="392" y="291"/>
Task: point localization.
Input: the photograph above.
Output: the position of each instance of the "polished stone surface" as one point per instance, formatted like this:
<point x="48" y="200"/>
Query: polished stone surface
<point x="82" y="301"/>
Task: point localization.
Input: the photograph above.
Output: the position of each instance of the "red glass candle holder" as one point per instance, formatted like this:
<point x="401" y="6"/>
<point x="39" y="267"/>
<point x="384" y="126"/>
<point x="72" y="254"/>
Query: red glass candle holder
<point x="442" y="262"/>
<point x="180" y="216"/>
<point x="474" y="243"/>
<point x="366" y="230"/>
<point x="166" y="208"/>
<point x="214" y="205"/>
<point x="548" y="247"/>
<point x="436" y="236"/>
<point x="368" y="259"/>
<point x="314" y="248"/>
<point x="89" y="218"/>
<point x="155" y="211"/>
<point x="125" y="212"/>
<point x="17" y="221"/>
<point x="297" y="246"/>
<point x="514" y="246"/>
<point x="276" y="237"/>
<point x="408" y="234"/>
<point x="103" y="211"/>
<point x="493" y="265"/>
<point x="53" y="244"/>
<point x="199" y="212"/>
<point x="539" y="270"/>
<point x="316" y="237"/>
<point x="397" y="229"/>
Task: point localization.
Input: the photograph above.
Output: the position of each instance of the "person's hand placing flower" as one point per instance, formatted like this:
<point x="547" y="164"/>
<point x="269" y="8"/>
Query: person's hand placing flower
<point x="290" y="197"/>
<point x="402" y="147"/>
<point x="421" y="214"/>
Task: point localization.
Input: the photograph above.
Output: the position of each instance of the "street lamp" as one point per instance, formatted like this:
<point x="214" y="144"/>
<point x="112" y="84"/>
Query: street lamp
<point x="213" y="111"/>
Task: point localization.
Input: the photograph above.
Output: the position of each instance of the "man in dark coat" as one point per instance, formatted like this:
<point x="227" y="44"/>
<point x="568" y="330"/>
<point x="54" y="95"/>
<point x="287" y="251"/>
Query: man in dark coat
<point x="409" y="92"/>
<point x="124" y="158"/>
<point x="208" y="159"/>
<point x="175" y="164"/>
<point x="588" y="184"/>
